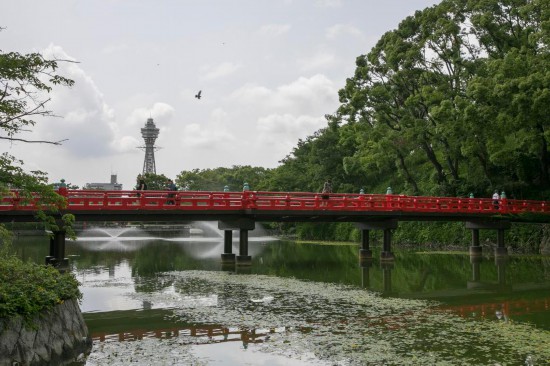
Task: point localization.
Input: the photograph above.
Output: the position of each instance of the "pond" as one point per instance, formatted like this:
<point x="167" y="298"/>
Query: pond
<point x="169" y="301"/>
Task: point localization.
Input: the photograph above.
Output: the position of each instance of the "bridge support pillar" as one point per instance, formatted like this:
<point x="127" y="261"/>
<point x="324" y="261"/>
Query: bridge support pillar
<point x="499" y="226"/>
<point x="243" y="225"/>
<point x="243" y="259"/>
<point x="56" y="256"/>
<point x="500" y="250"/>
<point x="475" y="249"/>
<point x="365" y="254"/>
<point x="227" y="256"/>
<point x="387" y="254"/>
<point x="387" y="226"/>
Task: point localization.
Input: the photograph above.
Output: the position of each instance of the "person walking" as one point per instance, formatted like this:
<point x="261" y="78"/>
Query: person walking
<point x="171" y="187"/>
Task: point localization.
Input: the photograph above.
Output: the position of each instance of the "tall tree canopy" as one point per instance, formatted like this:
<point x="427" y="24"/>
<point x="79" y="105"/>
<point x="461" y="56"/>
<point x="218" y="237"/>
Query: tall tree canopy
<point x="456" y="99"/>
<point x="25" y="81"/>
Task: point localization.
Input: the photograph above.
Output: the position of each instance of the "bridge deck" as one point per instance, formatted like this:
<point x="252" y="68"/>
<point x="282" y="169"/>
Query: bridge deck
<point x="273" y="206"/>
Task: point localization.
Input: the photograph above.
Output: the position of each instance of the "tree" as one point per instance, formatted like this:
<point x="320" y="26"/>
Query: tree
<point x="457" y="99"/>
<point x="217" y="179"/>
<point x="25" y="81"/>
<point x="155" y="182"/>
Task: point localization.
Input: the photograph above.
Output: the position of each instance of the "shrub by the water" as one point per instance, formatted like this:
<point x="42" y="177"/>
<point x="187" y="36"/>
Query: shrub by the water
<point x="27" y="289"/>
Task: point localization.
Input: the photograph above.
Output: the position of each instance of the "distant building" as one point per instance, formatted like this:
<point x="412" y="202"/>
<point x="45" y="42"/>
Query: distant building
<point x="113" y="186"/>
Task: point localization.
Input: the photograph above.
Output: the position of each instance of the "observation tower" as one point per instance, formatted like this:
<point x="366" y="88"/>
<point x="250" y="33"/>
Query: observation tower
<point x="149" y="133"/>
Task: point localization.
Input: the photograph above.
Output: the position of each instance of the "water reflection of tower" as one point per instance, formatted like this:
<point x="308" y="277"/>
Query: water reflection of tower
<point x="149" y="133"/>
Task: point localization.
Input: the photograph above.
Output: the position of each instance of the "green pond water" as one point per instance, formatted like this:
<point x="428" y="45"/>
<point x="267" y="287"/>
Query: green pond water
<point x="169" y="301"/>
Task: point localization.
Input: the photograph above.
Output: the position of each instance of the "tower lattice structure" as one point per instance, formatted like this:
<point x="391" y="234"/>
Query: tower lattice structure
<point x="149" y="133"/>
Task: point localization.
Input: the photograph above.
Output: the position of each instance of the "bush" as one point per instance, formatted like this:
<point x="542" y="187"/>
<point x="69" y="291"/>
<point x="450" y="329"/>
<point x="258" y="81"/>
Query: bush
<point x="27" y="289"/>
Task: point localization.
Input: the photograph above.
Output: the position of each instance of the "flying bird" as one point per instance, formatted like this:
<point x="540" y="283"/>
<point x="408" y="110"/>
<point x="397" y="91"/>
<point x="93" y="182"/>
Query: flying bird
<point x="198" y="96"/>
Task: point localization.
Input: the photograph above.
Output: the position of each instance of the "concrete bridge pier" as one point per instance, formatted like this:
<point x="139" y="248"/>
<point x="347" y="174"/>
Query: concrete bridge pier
<point x="475" y="248"/>
<point x="499" y="226"/>
<point x="243" y="225"/>
<point x="56" y="255"/>
<point x="243" y="258"/>
<point x="228" y="257"/>
<point x="365" y="254"/>
<point x="387" y="226"/>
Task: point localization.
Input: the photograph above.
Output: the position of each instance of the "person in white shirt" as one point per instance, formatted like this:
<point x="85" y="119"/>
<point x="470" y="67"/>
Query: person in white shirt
<point x="496" y="198"/>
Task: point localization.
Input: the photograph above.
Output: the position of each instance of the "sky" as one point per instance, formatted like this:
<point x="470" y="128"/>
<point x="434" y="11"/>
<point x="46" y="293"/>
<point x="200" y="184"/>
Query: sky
<point x="269" y="71"/>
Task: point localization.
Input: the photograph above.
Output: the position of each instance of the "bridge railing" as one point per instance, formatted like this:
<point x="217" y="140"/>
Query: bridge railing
<point x="89" y="200"/>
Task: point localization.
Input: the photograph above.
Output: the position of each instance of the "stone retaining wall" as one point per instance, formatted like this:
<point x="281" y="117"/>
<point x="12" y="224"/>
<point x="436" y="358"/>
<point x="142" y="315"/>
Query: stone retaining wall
<point x="58" y="337"/>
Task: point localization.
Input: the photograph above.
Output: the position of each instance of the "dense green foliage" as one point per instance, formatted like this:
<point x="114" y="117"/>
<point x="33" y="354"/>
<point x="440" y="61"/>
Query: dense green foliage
<point x="219" y="178"/>
<point x="27" y="289"/>
<point x="454" y="101"/>
<point x="155" y="182"/>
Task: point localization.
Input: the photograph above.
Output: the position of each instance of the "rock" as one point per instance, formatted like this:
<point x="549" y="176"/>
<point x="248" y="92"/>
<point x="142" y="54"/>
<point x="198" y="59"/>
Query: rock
<point x="59" y="336"/>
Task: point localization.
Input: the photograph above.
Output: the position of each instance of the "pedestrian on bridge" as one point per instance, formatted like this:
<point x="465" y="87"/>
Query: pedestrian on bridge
<point x="142" y="186"/>
<point x="171" y="187"/>
<point x="496" y="198"/>
<point x="327" y="189"/>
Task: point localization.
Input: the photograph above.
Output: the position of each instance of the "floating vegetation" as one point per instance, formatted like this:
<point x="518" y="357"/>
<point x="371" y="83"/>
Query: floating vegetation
<point x="148" y="351"/>
<point x="337" y="324"/>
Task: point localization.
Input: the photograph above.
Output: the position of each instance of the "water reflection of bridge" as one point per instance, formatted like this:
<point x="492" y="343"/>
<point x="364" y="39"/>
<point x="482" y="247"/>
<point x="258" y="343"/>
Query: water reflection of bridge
<point x="126" y="326"/>
<point x="507" y="308"/>
<point x="157" y="328"/>
<point x="477" y="294"/>
<point x="215" y="334"/>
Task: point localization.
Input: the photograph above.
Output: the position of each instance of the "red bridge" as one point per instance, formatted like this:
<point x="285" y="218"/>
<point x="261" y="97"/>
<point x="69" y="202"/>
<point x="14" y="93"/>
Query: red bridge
<point x="240" y="210"/>
<point x="278" y="206"/>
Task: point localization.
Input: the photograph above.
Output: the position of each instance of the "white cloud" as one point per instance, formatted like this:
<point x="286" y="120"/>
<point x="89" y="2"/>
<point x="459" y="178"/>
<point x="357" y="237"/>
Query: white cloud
<point x="86" y="120"/>
<point x="158" y="111"/>
<point x="211" y="134"/>
<point x="329" y="3"/>
<point x="301" y="96"/>
<point x="342" y="30"/>
<point x="318" y="61"/>
<point x="275" y="29"/>
<point x="222" y="70"/>
<point x="284" y="130"/>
